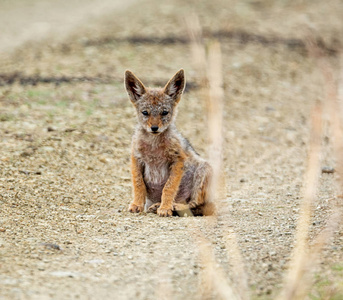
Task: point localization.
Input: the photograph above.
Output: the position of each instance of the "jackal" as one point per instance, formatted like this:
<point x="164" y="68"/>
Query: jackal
<point x="167" y="173"/>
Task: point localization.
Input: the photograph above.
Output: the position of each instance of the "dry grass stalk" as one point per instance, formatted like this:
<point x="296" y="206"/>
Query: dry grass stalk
<point x="240" y="280"/>
<point x="197" y="47"/>
<point x="164" y="288"/>
<point x="306" y="281"/>
<point x="334" y="109"/>
<point x="215" y="108"/>
<point x="210" y="70"/>
<point x="213" y="279"/>
<point x="333" y="103"/>
<point x="296" y="278"/>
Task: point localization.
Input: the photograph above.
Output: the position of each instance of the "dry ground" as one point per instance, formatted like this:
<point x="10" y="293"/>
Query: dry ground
<point x="66" y="126"/>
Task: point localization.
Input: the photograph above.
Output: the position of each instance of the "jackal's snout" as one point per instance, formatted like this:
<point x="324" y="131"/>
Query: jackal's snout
<point x="154" y="129"/>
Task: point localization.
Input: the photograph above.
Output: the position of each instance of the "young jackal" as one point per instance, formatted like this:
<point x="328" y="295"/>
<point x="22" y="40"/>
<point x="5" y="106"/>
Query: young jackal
<point x="166" y="170"/>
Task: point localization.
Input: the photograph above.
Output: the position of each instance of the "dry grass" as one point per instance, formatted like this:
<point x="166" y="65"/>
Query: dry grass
<point x="305" y="257"/>
<point x="298" y="273"/>
<point x="213" y="281"/>
<point x="210" y="70"/>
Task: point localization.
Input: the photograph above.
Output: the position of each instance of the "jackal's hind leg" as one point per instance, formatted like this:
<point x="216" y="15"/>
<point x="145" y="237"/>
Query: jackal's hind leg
<point x="201" y="188"/>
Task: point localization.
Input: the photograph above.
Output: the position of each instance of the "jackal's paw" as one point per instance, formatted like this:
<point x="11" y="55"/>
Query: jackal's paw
<point x="192" y="204"/>
<point x="180" y="207"/>
<point x="164" y="212"/>
<point x="153" y="208"/>
<point x="134" y="208"/>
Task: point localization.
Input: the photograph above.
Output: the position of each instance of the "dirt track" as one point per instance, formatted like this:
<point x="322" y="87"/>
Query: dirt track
<point x="66" y="126"/>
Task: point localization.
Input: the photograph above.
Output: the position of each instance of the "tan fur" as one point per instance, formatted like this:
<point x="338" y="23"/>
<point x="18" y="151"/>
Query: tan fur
<point x="138" y="202"/>
<point x="165" y="169"/>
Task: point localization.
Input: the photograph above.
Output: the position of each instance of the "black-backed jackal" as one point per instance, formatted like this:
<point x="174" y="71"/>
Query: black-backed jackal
<point x="167" y="173"/>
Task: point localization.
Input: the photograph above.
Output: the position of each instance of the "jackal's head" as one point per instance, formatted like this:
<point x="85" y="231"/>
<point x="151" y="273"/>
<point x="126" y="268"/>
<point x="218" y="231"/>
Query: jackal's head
<point x="155" y="107"/>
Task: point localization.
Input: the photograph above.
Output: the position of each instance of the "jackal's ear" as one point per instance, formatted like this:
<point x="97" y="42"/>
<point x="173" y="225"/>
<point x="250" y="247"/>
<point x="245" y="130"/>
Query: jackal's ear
<point x="134" y="87"/>
<point x="175" y="86"/>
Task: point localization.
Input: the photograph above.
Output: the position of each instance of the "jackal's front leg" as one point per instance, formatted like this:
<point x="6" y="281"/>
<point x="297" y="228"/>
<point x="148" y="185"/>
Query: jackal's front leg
<point x="139" y="189"/>
<point x="170" y="189"/>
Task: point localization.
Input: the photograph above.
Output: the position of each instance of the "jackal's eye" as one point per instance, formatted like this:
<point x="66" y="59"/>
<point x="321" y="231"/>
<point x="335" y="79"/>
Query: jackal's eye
<point x="145" y="113"/>
<point x="164" y="113"/>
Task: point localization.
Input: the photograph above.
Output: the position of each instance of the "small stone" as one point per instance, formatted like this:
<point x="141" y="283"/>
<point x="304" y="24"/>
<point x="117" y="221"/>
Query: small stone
<point x="328" y="170"/>
<point x="27" y="152"/>
<point x="48" y="149"/>
<point x="269" y="290"/>
<point x="62" y="274"/>
<point x="24" y="172"/>
<point x="70" y="129"/>
<point x="95" y="261"/>
<point x="103" y="159"/>
<point x="2" y="229"/>
<point x="51" y="246"/>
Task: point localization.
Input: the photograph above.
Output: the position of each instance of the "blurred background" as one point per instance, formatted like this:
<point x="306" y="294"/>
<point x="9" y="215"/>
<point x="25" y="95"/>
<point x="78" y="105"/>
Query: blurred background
<point x="65" y="132"/>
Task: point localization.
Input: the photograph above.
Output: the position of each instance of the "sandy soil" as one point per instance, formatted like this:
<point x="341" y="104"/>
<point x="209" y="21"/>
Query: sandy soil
<point x="66" y="126"/>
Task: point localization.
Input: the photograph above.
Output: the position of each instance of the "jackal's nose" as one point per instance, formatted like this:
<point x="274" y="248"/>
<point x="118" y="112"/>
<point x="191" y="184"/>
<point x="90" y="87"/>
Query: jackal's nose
<point x="154" y="128"/>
